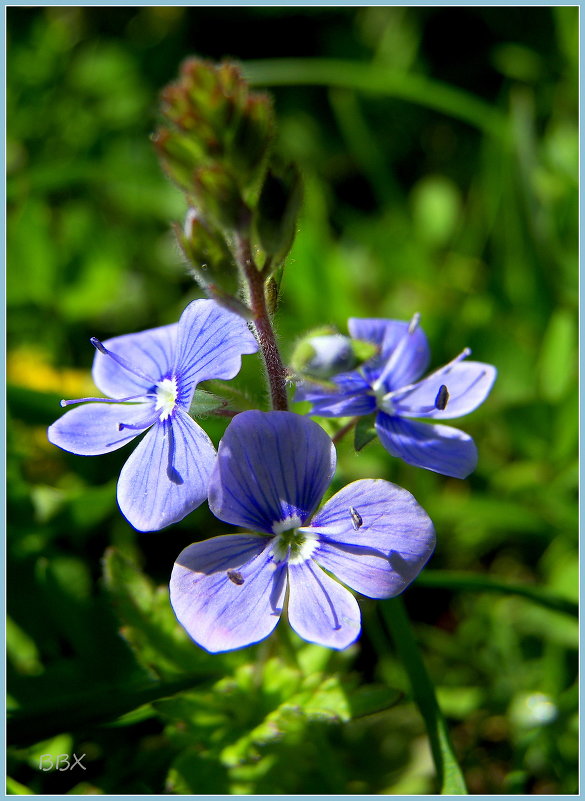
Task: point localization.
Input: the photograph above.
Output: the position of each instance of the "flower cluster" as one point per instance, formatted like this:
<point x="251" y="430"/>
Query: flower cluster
<point x="388" y="386"/>
<point x="271" y="471"/>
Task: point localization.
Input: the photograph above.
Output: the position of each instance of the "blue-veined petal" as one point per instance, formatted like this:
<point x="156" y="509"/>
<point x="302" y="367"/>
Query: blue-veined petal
<point x="320" y="610"/>
<point x="389" y="335"/>
<point x="442" y="449"/>
<point x="151" y="352"/>
<point x="93" y="428"/>
<point x="351" y="399"/>
<point x="210" y="344"/>
<point x="270" y="466"/>
<point x="374" y="537"/>
<point x="166" y="476"/>
<point x="222" y="613"/>
<point x="467" y="385"/>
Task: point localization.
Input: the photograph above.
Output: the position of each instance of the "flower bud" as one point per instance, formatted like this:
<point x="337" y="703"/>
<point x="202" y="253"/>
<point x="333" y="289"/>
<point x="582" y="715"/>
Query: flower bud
<point x="209" y="258"/>
<point x="218" y="198"/>
<point x="278" y="208"/>
<point x="322" y="354"/>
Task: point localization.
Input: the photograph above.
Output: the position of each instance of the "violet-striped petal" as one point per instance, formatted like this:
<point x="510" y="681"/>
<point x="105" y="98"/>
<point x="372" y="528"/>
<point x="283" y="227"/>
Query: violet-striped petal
<point x="93" y="428"/>
<point x="320" y="610"/>
<point x="374" y="537"/>
<point x="222" y="611"/>
<point x="389" y="335"/>
<point x="151" y="352"/>
<point x="467" y="385"/>
<point x="439" y="448"/>
<point x="349" y="399"/>
<point x="167" y="474"/>
<point x="210" y="344"/>
<point x="270" y="466"/>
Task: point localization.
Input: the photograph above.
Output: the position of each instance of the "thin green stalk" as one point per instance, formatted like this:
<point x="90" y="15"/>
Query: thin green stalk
<point x="366" y="77"/>
<point x="449" y="773"/>
<point x="471" y="582"/>
<point x="339" y="435"/>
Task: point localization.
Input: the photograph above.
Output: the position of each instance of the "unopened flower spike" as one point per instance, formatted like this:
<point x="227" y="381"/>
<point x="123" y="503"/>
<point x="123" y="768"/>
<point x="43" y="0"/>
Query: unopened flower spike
<point x="150" y="379"/>
<point x="271" y="473"/>
<point x="387" y="385"/>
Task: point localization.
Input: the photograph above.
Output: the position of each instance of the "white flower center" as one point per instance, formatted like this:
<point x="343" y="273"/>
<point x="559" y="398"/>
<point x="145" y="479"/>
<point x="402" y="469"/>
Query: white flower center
<point x="291" y="542"/>
<point x="383" y="399"/>
<point x="166" y="397"/>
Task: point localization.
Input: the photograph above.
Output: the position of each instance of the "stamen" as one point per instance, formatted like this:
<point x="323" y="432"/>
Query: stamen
<point x="172" y="473"/>
<point x="463" y="355"/>
<point x="101" y="400"/>
<point x="442" y="398"/>
<point x="413" y="324"/>
<point x="121" y="361"/>
<point x="146" y="422"/>
<point x="356" y="518"/>
<point x="235" y="577"/>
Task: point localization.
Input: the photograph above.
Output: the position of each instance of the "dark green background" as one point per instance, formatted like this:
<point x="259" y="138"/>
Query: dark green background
<point x="453" y="194"/>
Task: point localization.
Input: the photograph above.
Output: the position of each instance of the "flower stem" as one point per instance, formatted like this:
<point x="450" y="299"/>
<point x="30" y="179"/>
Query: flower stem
<point x="339" y="435"/>
<point x="275" y="372"/>
<point x="449" y="773"/>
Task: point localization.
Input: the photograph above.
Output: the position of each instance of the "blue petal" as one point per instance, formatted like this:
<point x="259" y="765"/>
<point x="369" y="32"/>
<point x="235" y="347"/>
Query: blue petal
<point x="166" y="477"/>
<point x="350" y="400"/>
<point x="270" y="466"/>
<point x="467" y="386"/>
<point x="222" y="613"/>
<point x="374" y="537"/>
<point x="320" y="610"/>
<point x="93" y="428"/>
<point x="439" y="448"/>
<point x="388" y="335"/>
<point x="210" y="344"/>
<point x="151" y="351"/>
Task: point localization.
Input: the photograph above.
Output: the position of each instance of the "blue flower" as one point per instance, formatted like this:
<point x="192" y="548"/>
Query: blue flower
<point x="150" y="379"/>
<point x="271" y="472"/>
<point x="387" y="385"/>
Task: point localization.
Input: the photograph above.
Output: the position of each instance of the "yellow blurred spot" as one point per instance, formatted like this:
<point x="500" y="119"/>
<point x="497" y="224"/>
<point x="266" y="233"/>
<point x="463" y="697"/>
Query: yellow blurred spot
<point x="29" y="367"/>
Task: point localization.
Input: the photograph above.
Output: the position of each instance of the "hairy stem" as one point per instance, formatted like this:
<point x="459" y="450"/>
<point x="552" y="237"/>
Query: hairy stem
<point x="275" y="372"/>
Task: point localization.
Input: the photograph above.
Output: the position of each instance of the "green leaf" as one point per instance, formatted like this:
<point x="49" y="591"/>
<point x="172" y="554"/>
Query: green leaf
<point x="148" y="624"/>
<point x="470" y="582"/>
<point x="72" y="711"/>
<point x="558" y="363"/>
<point x="449" y="773"/>
<point x="16" y="788"/>
<point x="365" y="432"/>
<point x="205" y="403"/>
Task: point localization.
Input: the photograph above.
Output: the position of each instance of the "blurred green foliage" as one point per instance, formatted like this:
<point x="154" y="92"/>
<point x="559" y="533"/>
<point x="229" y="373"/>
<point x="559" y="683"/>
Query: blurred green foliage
<point x="439" y="156"/>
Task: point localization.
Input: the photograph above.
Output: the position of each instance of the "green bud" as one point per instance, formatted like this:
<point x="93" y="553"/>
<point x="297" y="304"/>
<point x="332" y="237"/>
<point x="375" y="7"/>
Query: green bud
<point x="218" y="197"/>
<point x="179" y="155"/>
<point x="277" y="212"/>
<point x="324" y="352"/>
<point x="323" y="355"/>
<point x="209" y="258"/>
<point x="252" y="137"/>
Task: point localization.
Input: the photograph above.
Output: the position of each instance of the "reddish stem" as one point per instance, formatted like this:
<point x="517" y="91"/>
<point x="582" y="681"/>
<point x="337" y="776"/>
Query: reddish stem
<point x="275" y="372"/>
